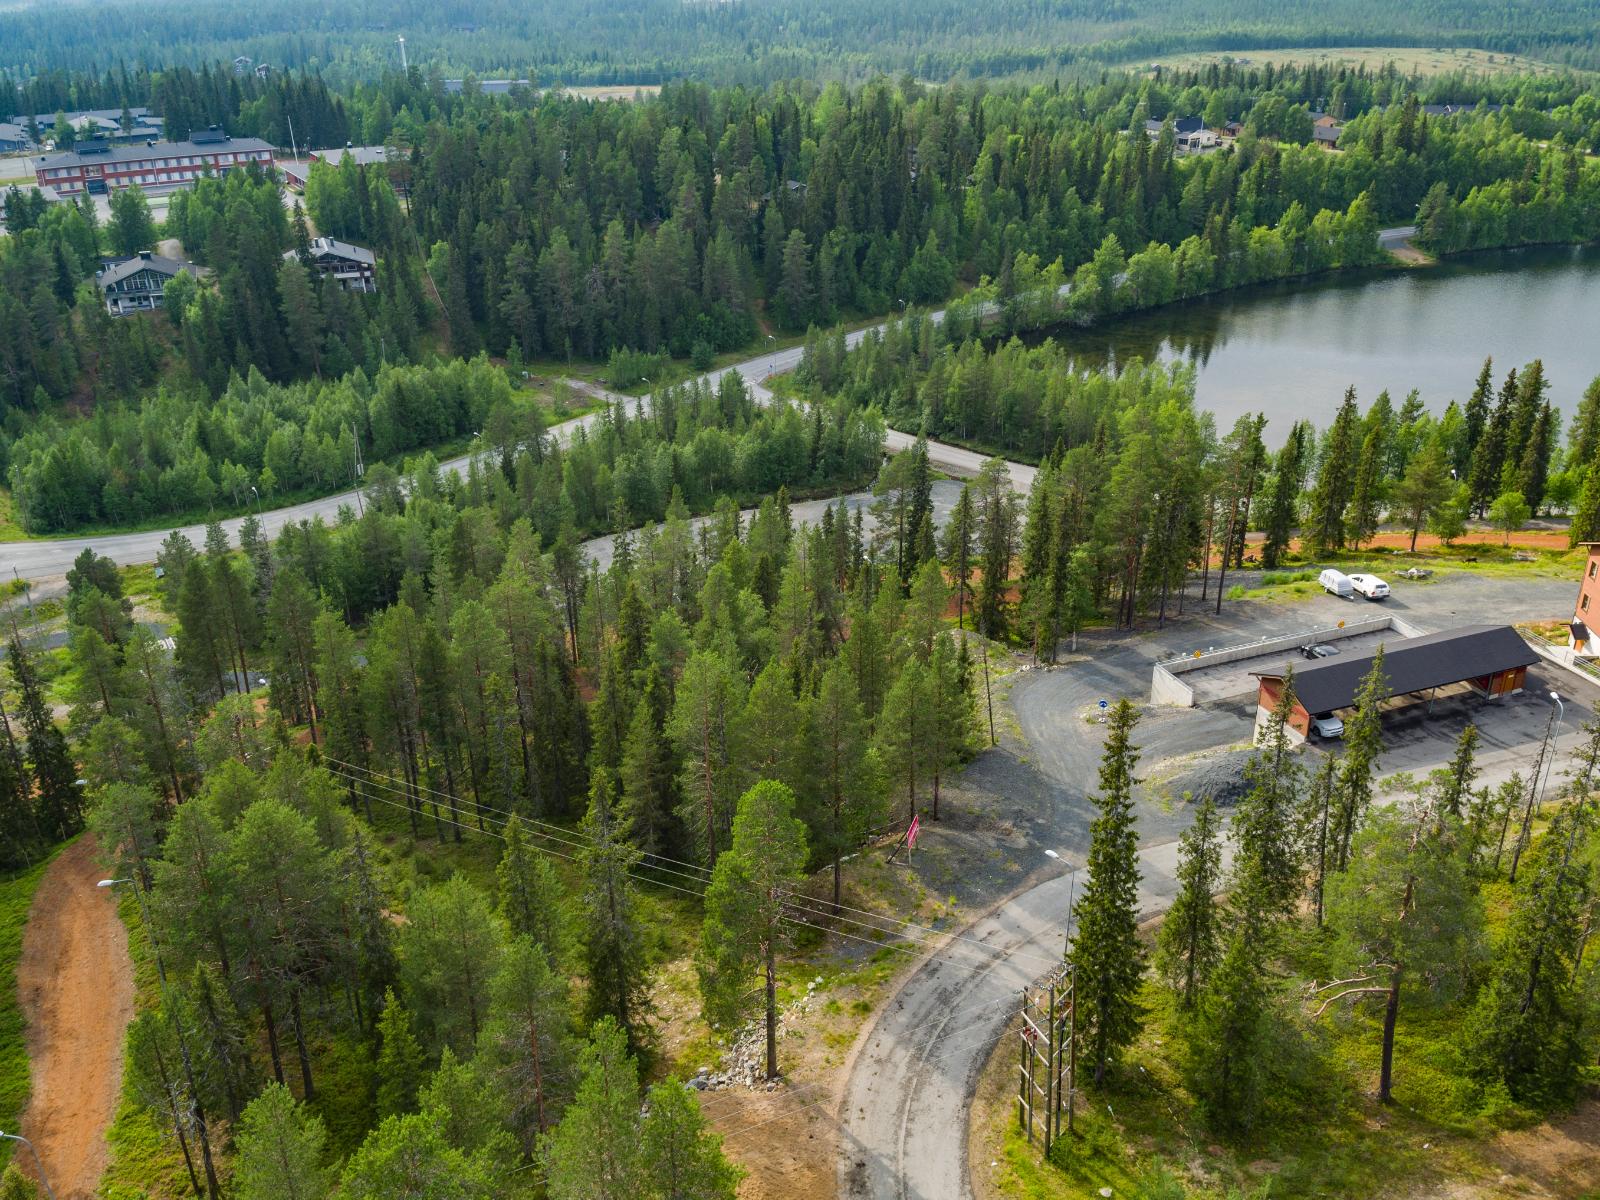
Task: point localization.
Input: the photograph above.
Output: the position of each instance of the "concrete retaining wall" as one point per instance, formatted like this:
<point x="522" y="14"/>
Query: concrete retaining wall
<point x="1166" y="686"/>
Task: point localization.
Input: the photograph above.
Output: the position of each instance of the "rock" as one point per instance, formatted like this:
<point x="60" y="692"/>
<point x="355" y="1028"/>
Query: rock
<point x="1106" y="1192"/>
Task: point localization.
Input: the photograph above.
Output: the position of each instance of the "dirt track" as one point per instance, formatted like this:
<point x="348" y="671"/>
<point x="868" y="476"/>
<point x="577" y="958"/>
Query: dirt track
<point x="76" y="984"/>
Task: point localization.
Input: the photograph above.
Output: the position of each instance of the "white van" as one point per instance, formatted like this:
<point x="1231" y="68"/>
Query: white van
<point x="1336" y="583"/>
<point x="1369" y="586"/>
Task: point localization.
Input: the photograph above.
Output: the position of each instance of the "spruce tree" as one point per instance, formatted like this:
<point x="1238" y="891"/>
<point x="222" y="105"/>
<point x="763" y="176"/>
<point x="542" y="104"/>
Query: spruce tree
<point x="1287" y="481"/>
<point x="1366" y="496"/>
<point x="1226" y="1059"/>
<point x="613" y="951"/>
<point x="848" y="792"/>
<point x="400" y="1062"/>
<point x="1106" y="952"/>
<point x="1476" y="418"/>
<point x="595" y="1152"/>
<point x="531" y="896"/>
<point x="58" y="803"/>
<point x="1363" y="742"/>
<point x="1325" y="528"/>
<point x="279" y="1148"/>
<point x="1187" y="948"/>
<point x="1267" y="824"/>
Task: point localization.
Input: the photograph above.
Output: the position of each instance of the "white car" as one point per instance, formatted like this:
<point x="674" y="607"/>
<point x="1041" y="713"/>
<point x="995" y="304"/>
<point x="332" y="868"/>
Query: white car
<point x="1369" y="586"/>
<point x="1327" y="727"/>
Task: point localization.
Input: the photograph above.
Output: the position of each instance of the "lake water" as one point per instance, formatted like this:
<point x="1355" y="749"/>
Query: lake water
<point x="1290" y="350"/>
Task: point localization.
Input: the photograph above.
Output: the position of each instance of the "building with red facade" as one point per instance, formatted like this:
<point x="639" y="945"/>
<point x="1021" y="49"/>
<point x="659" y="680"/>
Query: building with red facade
<point x="99" y="167"/>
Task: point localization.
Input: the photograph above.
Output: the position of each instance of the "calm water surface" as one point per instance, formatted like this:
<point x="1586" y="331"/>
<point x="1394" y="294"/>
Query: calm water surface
<point x="1290" y="350"/>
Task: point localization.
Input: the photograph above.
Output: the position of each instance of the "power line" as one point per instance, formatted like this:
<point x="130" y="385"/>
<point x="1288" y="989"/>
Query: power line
<point x="813" y="906"/>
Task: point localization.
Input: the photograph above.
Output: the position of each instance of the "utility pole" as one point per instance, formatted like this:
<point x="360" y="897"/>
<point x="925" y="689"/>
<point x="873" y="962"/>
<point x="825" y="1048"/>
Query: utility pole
<point x="294" y="149"/>
<point x="359" y="467"/>
<point x="1049" y="1041"/>
<point x="404" y="65"/>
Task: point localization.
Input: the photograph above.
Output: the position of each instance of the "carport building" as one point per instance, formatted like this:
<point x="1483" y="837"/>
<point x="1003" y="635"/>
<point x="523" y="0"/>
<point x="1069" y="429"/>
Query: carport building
<point x="1492" y="659"/>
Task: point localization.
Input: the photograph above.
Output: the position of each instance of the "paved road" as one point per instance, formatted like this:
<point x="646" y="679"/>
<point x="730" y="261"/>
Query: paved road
<point x="903" y="1116"/>
<point x="1397" y="238"/>
<point x="39" y="559"/>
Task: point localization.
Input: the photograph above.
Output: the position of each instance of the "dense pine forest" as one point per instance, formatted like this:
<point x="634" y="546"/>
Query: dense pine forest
<point x="758" y="41"/>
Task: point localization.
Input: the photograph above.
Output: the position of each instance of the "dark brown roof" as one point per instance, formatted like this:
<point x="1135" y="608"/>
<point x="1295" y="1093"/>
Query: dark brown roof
<point x="1412" y="665"/>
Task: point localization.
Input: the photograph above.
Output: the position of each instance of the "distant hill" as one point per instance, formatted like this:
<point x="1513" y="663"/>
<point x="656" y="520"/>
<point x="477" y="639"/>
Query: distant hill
<point x="756" y="41"/>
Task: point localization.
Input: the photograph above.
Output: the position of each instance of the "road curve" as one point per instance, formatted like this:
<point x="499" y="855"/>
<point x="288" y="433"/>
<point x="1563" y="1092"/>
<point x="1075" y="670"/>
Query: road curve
<point x="903" y="1115"/>
<point x="36" y="559"/>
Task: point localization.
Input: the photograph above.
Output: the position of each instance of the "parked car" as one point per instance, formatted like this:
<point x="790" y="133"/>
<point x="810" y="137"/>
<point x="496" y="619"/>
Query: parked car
<point x="1327" y="727"/>
<point x="1319" y="650"/>
<point x="1369" y="586"/>
<point x="1336" y="582"/>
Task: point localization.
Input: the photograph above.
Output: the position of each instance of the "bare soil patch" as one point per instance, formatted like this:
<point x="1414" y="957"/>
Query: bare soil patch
<point x="75" y="981"/>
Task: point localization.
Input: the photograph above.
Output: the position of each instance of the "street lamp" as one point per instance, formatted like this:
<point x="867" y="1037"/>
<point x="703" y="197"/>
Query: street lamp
<point x="17" y="1137"/>
<point x="1550" y="765"/>
<point x="1072" y="899"/>
<point x="177" y="1027"/>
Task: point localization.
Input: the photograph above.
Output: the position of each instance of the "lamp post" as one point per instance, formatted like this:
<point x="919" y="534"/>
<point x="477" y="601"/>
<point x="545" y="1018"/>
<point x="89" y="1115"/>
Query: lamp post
<point x="37" y="1162"/>
<point x="177" y="1028"/>
<point x="1561" y="716"/>
<point x="1072" y="899"/>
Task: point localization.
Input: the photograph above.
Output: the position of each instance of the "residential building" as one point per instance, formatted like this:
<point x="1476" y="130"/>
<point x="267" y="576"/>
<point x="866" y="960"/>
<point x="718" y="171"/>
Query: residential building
<point x="1192" y="135"/>
<point x="100" y="167"/>
<point x="488" y="87"/>
<point x="1587" y="609"/>
<point x="13" y="137"/>
<point x="354" y="268"/>
<point x="143" y="125"/>
<point x="138" y="284"/>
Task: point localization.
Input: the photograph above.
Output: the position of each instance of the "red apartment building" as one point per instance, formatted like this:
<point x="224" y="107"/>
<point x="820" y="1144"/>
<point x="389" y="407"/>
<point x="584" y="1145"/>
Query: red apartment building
<point x="100" y="167"/>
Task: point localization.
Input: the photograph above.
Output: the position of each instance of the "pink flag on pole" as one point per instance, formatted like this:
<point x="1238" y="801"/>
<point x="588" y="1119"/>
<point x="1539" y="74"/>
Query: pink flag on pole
<point x="911" y="834"/>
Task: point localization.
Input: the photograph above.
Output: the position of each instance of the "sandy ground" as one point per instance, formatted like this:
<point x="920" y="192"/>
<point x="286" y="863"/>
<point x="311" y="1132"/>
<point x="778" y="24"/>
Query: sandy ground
<point x="76" y="985"/>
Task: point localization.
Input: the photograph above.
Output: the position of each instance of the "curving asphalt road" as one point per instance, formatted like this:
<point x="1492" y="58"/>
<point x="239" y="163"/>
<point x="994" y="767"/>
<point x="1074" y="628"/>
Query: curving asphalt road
<point x="39" y="559"/>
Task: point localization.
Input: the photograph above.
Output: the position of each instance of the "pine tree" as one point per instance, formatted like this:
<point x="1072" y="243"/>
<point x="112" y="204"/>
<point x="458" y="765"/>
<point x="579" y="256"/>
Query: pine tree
<point x="745" y="902"/>
<point x="279" y="1147"/>
<point x="1404" y="908"/>
<point x="705" y="728"/>
<point x="1188" y="946"/>
<point x="400" y="1062"/>
<point x="1106" y="952"/>
<point x="407" y="1156"/>
<point x="1425" y="488"/>
<point x="905" y="735"/>
<point x="449" y="949"/>
<point x="526" y="1048"/>
<point x="680" y="1155"/>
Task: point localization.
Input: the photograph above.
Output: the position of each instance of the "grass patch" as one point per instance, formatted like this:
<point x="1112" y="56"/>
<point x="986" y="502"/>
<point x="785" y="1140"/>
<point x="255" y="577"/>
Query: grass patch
<point x="1411" y="60"/>
<point x="16" y="897"/>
